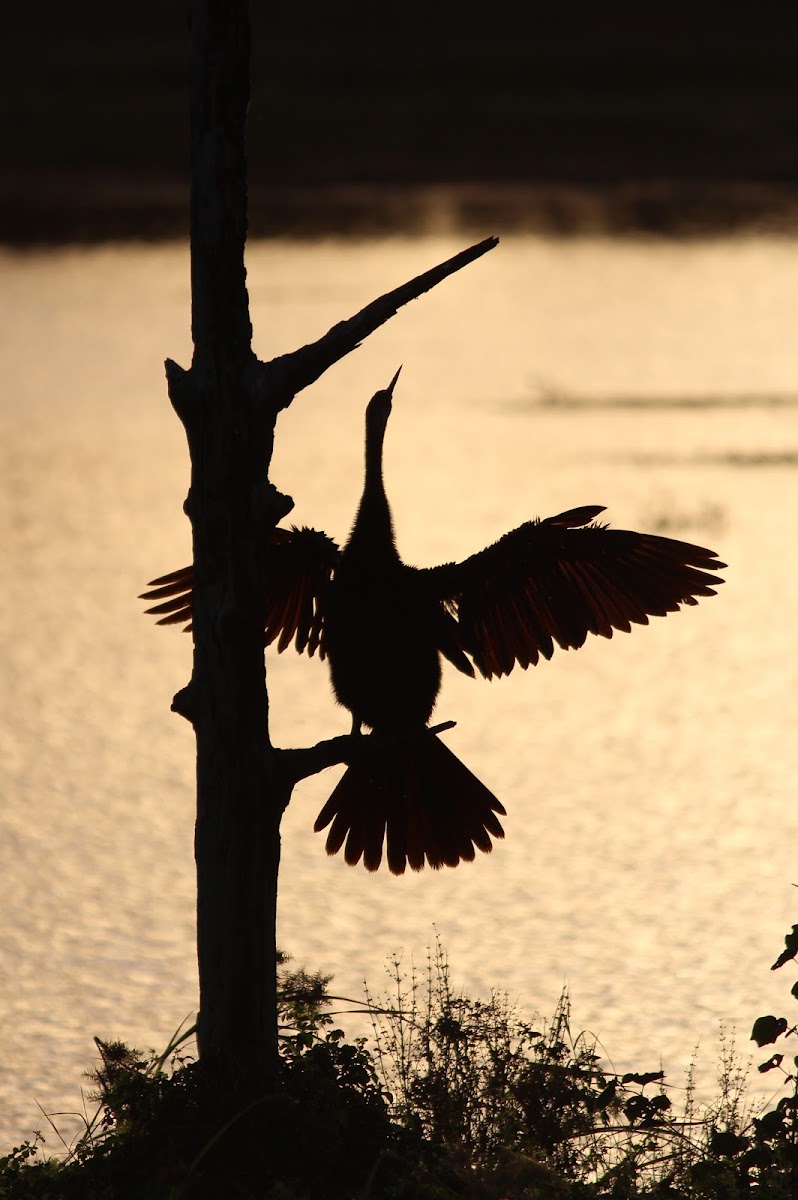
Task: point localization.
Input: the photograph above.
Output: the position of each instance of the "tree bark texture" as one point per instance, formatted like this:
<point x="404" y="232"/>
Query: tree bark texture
<point x="230" y="437"/>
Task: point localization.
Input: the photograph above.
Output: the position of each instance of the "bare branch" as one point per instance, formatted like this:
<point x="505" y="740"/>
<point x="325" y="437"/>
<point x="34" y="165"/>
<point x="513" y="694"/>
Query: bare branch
<point x="302" y="367"/>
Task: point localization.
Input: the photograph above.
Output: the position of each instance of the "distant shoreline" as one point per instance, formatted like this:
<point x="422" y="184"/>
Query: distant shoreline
<point x="48" y="209"/>
<point x="517" y="118"/>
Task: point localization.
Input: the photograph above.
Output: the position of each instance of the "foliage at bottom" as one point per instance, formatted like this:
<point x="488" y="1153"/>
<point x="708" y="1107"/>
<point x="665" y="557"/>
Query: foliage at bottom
<point x="456" y="1098"/>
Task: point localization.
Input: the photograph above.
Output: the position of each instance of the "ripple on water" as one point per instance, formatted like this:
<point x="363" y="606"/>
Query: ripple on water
<point x="648" y="783"/>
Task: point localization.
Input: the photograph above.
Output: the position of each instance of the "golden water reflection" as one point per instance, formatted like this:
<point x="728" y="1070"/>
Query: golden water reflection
<point x="649" y="782"/>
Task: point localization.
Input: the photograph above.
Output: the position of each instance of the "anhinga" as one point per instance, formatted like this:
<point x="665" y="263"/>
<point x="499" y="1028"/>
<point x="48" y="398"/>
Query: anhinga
<point x="384" y="626"/>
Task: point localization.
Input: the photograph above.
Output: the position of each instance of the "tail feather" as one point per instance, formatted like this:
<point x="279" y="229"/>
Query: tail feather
<point x="396" y="838"/>
<point x="418" y="799"/>
<point x="370" y="841"/>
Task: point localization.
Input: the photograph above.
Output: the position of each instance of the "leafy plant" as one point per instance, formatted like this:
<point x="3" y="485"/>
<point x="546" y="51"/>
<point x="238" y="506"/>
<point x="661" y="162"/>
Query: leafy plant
<point x="773" y="1150"/>
<point x="456" y="1098"/>
<point x="474" y="1077"/>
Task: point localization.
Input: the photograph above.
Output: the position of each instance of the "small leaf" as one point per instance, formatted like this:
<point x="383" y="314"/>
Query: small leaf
<point x="767" y="1029"/>
<point x="770" y="1125"/>
<point x="726" y="1143"/>
<point x="643" y="1077"/>
<point x="794" y="990"/>
<point x="791" y="942"/>
<point x="771" y="1063"/>
<point x="606" y="1096"/>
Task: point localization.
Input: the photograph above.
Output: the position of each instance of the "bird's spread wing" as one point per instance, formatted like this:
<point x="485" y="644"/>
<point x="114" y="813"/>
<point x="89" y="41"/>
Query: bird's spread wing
<point x="557" y="580"/>
<point x="174" y="591"/>
<point x="299" y="568"/>
<point x="298" y="571"/>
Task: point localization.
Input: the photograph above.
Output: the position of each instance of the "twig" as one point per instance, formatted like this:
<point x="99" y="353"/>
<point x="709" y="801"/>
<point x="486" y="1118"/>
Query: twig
<point x="53" y="1125"/>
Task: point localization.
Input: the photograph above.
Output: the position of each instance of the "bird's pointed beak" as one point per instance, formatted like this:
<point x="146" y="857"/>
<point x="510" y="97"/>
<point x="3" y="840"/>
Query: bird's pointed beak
<point x="392" y="384"/>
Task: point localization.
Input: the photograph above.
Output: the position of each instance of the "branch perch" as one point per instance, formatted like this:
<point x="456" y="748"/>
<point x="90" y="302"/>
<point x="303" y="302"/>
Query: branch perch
<point x="290" y="373"/>
<point x="294" y="765"/>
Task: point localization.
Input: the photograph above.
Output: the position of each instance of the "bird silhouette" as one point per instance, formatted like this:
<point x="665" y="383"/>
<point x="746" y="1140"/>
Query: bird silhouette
<point x="384" y="626"/>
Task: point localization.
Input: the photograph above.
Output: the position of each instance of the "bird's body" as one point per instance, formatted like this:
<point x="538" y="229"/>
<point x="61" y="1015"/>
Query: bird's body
<point x="384" y="626"/>
<point x="380" y="626"/>
<point x="380" y="638"/>
<point x="383" y="629"/>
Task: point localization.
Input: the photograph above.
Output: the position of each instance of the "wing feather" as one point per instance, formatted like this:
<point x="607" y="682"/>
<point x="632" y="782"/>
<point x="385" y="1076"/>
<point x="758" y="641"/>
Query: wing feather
<point x="297" y="574"/>
<point x="177" y="585"/>
<point x="555" y="581"/>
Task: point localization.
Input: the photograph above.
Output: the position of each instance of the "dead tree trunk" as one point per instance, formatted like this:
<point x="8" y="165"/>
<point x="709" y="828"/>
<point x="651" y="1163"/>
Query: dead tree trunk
<point x="228" y="403"/>
<point x="230" y="439"/>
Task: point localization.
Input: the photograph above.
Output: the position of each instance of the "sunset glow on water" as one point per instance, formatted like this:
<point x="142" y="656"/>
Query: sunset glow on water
<point x="649" y="781"/>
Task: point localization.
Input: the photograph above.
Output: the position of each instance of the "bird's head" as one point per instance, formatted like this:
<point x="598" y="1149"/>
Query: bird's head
<point x="379" y="408"/>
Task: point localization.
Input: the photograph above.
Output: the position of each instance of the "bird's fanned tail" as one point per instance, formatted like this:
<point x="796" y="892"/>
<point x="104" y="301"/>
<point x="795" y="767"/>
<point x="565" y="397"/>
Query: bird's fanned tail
<point x="417" y="798"/>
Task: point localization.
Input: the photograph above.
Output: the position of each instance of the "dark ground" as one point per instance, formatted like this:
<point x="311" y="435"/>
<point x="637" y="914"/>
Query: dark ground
<point x="664" y="118"/>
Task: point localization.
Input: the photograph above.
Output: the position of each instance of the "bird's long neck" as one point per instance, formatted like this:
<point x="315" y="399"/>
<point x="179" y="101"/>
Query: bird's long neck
<point x="373" y="528"/>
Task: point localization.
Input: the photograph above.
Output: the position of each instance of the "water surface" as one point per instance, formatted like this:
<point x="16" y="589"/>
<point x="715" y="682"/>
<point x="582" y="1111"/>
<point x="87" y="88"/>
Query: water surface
<point x="649" y="781"/>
